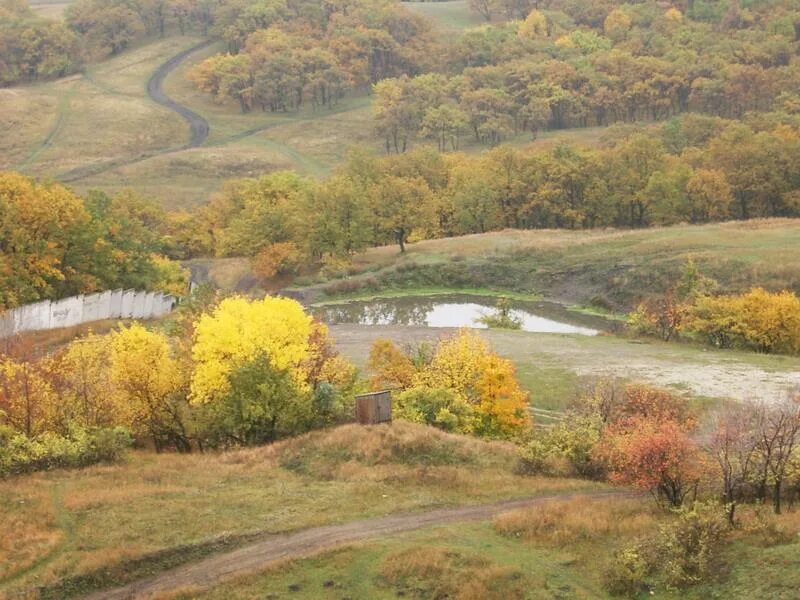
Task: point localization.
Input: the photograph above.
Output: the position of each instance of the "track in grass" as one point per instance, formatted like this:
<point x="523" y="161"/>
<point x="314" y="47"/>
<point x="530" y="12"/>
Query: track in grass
<point x="277" y="548"/>
<point x="198" y="125"/>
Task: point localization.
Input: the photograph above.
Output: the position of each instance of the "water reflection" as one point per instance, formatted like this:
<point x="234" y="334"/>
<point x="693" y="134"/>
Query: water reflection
<point x="450" y="311"/>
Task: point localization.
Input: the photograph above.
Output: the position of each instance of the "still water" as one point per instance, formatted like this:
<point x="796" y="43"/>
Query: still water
<point x="456" y="311"/>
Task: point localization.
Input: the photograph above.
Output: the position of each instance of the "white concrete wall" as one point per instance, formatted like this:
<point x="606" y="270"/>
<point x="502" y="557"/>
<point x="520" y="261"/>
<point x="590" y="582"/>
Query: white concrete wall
<point x="68" y="312"/>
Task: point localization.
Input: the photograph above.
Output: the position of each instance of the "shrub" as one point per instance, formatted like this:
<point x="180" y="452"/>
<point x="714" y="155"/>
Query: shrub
<point x="82" y="447"/>
<point x="689" y="547"/>
<point x="566" y="449"/>
<point x="439" y="407"/>
<point x="277" y="259"/>
<point x="627" y="572"/>
<point x="757" y="320"/>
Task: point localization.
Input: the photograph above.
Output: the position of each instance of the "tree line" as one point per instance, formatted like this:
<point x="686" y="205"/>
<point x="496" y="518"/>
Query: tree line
<point x="693" y="169"/>
<point x="227" y="371"/>
<point x="54" y="244"/>
<point x="302" y="54"/>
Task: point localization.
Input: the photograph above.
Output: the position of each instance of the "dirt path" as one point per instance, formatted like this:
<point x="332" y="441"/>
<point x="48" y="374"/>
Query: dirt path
<point x="255" y="557"/>
<point x="198" y="125"/>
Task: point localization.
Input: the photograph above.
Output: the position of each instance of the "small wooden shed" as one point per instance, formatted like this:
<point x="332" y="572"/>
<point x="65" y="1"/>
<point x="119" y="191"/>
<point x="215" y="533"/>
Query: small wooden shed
<point x="374" y="408"/>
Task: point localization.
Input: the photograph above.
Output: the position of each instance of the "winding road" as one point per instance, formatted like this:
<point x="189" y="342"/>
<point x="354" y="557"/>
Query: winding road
<point x="198" y="125"/>
<point x="276" y="548"/>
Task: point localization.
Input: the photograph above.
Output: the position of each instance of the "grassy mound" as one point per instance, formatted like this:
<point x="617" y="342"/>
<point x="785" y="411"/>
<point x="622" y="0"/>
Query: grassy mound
<point x="324" y="453"/>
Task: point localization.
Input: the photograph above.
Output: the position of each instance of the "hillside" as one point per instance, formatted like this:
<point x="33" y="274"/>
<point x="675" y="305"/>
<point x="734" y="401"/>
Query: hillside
<point x="606" y="269"/>
<point x="77" y="531"/>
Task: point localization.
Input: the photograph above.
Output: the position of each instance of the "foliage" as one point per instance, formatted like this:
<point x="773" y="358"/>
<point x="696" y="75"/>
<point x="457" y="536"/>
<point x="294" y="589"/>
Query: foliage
<point x="237" y="331"/>
<point x="565" y="449"/>
<point x="757" y="320"/>
<point x="657" y="456"/>
<point x="502" y="317"/>
<point x="277" y="259"/>
<point x="689" y="548"/>
<point x="149" y="381"/>
<point x="440" y="407"/>
<point x="54" y="245"/>
<point x="466" y="367"/>
<point x="79" y="448"/>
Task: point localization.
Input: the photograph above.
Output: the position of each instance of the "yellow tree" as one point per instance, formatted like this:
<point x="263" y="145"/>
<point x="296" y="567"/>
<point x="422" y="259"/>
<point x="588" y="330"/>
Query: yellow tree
<point x="26" y="396"/>
<point x="466" y="365"/>
<point x="149" y="382"/>
<point x="238" y="331"/>
<point x="84" y="382"/>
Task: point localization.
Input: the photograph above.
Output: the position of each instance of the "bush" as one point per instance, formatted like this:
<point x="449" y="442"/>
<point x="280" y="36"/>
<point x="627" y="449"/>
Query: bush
<point x="439" y="407"/>
<point x="566" y="449"/>
<point x="689" y="547"/>
<point x="626" y="574"/>
<point x="82" y="447"/>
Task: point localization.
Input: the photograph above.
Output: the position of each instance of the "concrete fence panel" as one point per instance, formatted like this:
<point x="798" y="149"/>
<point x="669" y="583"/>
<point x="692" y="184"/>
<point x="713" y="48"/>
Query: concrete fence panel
<point x="66" y="313"/>
<point x="126" y="312"/>
<point x="92" y="309"/>
<point x="115" y="304"/>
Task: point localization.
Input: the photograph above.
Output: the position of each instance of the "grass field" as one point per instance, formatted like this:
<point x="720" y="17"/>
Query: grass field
<point x="107" y="524"/>
<point x="607" y="268"/>
<point x="103" y="120"/>
<point x="50" y="9"/>
<point x="558" y="551"/>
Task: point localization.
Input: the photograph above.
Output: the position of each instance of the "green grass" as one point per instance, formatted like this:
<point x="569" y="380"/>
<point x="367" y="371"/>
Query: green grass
<point x="79" y="530"/>
<point x="554" y="551"/>
<point x="589" y="268"/>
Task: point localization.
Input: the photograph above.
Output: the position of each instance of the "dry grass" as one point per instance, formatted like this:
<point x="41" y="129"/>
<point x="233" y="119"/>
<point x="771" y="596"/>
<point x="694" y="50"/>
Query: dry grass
<point x="579" y="520"/>
<point x="29" y="526"/>
<point x="156" y="503"/>
<point x="440" y="572"/>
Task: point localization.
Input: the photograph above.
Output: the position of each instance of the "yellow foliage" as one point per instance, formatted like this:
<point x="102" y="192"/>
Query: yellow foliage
<point x="763" y="321"/>
<point x="674" y="15"/>
<point x="466" y="365"/>
<point x="85" y="377"/>
<point x="238" y="331"/>
<point x="145" y="375"/>
<point x="27" y="399"/>
<point x="391" y="367"/>
<point x="534" y="26"/>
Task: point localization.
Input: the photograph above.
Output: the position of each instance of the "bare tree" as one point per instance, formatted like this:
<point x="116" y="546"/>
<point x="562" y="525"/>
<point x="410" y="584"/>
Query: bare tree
<point x="734" y="443"/>
<point x="778" y="427"/>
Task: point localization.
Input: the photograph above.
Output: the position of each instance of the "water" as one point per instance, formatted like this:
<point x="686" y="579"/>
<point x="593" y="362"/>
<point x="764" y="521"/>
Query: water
<point x="456" y="311"/>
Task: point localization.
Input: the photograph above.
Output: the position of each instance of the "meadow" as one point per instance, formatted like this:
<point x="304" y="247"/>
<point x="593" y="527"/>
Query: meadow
<point x="76" y="531"/>
<point x="100" y="130"/>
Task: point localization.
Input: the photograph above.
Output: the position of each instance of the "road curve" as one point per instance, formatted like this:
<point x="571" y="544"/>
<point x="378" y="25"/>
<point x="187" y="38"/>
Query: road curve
<point x="198" y="125"/>
<point x="275" y="548"/>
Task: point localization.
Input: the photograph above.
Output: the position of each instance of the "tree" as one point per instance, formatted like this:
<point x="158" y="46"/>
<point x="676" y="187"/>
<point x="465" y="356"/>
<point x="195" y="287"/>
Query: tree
<point x="238" y="330"/>
<point x="466" y="365"/>
<point x="398" y="205"/>
<point x="149" y="380"/>
<point x="391" y="368"/>
<point x="733" y="442"/>
<point x="653" y="455"/>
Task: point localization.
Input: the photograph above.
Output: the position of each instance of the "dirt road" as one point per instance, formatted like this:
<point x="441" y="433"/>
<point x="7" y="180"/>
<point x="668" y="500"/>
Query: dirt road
<point x="197" y="124"/>
<point x="210" y="571"/>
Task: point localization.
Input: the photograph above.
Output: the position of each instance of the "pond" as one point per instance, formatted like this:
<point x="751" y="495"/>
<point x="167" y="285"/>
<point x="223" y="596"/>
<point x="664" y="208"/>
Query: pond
<point x="458" y="311"/>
